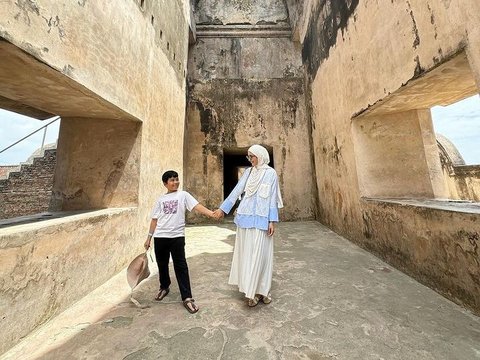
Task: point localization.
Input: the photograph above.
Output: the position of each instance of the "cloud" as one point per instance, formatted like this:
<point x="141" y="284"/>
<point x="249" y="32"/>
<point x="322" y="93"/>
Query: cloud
<point x="16" y="126"/>
<point x="460" y="123"/>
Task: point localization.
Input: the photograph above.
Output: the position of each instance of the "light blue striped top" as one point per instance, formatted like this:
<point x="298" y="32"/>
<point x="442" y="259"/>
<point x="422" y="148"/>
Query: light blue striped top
<point x="259" y="209"/>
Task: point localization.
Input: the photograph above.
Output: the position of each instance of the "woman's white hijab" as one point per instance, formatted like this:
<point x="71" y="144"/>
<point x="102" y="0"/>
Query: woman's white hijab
<point x="257" y="172"/>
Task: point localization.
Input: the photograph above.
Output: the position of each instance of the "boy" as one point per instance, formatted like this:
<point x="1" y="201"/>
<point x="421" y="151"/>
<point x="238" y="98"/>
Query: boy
<point x="168" y="230"/>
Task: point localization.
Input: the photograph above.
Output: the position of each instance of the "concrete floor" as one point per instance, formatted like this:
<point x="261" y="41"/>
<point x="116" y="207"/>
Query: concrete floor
<point x="332" y="300"/>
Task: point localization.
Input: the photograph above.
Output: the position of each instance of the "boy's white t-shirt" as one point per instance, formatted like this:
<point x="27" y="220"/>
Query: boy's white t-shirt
<point x="170" y="212"/>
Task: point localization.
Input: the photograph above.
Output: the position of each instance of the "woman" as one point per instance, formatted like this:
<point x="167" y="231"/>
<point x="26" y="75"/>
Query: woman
<point x="252" y="263"/>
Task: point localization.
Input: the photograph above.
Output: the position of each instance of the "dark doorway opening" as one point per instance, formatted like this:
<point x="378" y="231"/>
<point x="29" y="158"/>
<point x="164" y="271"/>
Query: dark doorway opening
<point x="235" y="162"/>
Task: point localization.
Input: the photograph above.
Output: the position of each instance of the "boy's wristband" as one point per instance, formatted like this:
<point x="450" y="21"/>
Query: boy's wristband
<point x="150" y="234"/>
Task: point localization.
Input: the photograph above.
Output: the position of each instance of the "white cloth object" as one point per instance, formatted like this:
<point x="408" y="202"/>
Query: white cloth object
<point x="137" y="271"/>
<point x="256" y="174"/>
<point x="252" y="264"/>
<point x="170" y="212"/>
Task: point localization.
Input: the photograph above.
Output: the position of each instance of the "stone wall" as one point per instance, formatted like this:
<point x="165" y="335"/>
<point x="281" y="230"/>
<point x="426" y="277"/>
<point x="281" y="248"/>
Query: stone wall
<point x="434" y="242"/>
<point x="45" y="266"/>
<point x="29" y="190"/>
<point x="115" y="73"/>
<point x="246" y="86"/>
<point x="374" y="67"/>
<point x="462" y="181"/>
<point x="6" y="169"/>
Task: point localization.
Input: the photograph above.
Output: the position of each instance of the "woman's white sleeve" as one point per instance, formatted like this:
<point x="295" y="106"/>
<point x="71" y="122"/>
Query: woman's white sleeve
<point x="235" y="194"/>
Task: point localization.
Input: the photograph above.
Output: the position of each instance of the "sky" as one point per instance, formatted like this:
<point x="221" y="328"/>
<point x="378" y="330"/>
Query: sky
<point x="15" y="126"/>
<point x="459" y="122"/>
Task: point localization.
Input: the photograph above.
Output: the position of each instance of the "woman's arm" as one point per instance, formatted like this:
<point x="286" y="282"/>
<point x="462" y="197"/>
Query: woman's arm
<point x="273" y="211"/>
<point x="271" y="228"/>
<point x="236" y="192"/>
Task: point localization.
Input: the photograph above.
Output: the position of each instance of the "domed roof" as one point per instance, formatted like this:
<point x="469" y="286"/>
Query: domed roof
<point x="450" y="150"/>
<point x="39" y="152"/>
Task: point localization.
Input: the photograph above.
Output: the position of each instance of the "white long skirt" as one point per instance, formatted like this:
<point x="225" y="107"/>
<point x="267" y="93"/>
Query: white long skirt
<point x="252" y="263"/>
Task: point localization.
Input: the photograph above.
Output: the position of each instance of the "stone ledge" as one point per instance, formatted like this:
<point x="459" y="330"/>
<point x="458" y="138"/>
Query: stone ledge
<point x="472" y="170"/>
<point x="243" y="31"/>
<point x="461" y="206"/>
<point x="54" y="219"/>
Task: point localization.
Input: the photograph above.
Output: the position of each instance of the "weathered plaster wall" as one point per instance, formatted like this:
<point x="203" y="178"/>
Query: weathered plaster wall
<point x="95" y="61"/>
<point x="437" y="246"/>
<point x="464" y="182"/>
<point x="106" y="158"/>
<point x="239" y="115"/>
<point x="244" y="91"/>
<point x="461" y="180"/>
<point x="405" y="136"/>
<point x="299" y="12"/>
<point x="223" y="12"/>
<point x="357" y="53"/>
<point x="244" y="58"/>
<point x="45" y="266"/>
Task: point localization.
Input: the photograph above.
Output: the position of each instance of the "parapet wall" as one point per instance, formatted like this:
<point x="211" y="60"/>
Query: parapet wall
<point x="375" y="68"/>
<point x="45" y="266"/>
<point x="115" y="72"/>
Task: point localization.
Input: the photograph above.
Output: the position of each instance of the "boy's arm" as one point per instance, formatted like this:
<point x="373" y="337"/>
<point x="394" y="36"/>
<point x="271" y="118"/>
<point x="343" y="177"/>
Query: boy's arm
<point x="153" y="225"/>
<point x="203" y="210"/>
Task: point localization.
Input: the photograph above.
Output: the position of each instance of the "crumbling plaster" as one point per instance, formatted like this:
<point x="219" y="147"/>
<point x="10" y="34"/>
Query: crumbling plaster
<point x="240" y="12"/>
<point x="46" y="266"/>
<point x="463" y="182"/>
<point x="438" y="246"/>
<point x="245" y="90"/>
<point x="244" y="58"/>
<point x="239" y="113"/>
<point x="375" y="49"/>
<point x="133" y="61"/>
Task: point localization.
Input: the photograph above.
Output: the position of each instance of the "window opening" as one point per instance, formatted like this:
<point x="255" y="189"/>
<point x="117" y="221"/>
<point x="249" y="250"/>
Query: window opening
<point x="397" y="150"/>
<point x="460" y="123"/>
<point x="27" y="164"/>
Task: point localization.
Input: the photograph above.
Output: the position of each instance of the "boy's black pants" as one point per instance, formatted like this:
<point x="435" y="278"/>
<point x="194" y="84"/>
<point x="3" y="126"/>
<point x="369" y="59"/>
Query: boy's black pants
<point x="175" y="246"/>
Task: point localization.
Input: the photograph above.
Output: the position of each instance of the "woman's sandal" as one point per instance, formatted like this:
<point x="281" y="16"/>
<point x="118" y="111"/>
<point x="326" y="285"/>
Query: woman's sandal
<point x="190" y="305"/>
<point x="253" y="302"/>
<point x="267" y="299"/>
<point x="162" y="293"/>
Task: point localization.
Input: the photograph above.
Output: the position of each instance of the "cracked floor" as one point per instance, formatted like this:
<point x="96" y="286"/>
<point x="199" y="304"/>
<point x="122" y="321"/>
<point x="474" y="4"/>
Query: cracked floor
<point x="332" y="300"/>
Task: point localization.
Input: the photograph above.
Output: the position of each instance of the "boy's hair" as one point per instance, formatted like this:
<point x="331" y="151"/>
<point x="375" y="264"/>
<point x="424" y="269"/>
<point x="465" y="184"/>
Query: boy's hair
<point x="168" y="175"/>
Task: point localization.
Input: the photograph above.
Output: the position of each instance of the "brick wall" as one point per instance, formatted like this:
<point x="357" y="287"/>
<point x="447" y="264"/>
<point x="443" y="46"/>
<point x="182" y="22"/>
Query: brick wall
<point x="29" y="190"/>
<point x="5" y="169"/>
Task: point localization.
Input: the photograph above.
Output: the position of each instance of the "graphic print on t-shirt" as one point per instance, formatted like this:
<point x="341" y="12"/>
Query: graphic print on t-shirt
<point x="170" y="206"/>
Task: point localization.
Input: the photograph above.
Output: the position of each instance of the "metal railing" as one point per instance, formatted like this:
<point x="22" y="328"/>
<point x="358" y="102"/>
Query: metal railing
<point x="34" y="132"/>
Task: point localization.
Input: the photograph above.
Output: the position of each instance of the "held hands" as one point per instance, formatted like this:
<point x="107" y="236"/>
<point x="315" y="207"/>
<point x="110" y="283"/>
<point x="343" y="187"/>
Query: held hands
<point x="218" y="214"/>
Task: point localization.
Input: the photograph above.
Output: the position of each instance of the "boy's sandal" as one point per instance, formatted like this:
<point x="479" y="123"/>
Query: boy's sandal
<point x="253" y="302"/>
<point x="162" y="293"/>
<point x="190" y="305"/>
